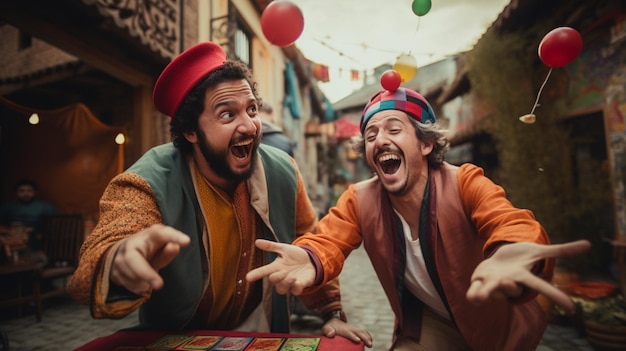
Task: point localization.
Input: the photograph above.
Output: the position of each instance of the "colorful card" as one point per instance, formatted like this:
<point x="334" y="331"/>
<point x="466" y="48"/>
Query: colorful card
<point x="169" y="342"/>
<point x="300" y="344"/>
<point x="200" y="342"/>
<point x="265" y="344"/>
<point x="232" y="343"/>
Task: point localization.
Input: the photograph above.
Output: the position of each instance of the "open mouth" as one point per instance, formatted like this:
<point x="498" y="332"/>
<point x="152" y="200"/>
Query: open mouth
<point x="389" y="163"/>
<point x="242" y="149"/>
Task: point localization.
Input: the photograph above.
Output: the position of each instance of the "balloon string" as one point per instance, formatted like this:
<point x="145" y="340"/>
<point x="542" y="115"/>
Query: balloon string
<point x="416" y="28"/>
<point x="540" y="90"/>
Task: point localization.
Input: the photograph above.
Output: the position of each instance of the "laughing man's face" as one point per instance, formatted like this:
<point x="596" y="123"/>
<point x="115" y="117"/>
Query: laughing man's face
<point x="393" y="150"/>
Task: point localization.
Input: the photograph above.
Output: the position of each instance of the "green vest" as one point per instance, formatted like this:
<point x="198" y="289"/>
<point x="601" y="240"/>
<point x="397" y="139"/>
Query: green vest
<point x="165" y="169"/>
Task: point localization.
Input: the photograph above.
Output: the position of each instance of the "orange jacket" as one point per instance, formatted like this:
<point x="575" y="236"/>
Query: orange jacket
<point x="469" y="218"/>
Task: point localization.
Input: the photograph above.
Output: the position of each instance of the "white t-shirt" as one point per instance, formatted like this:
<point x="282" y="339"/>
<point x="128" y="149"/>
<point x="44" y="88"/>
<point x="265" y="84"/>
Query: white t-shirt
<point x="416" y="276"/>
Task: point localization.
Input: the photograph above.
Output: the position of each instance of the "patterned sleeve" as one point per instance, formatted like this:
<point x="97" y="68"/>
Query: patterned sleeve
<point x="126" y="207"/>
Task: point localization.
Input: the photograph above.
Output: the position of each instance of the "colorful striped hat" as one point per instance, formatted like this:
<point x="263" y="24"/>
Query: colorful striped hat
<point x="402" y="99"/>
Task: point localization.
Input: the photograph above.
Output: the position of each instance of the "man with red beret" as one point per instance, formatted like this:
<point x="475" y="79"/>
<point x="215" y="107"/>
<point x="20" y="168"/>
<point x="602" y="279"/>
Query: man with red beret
<point x="459" y="264"/>
<point x="176" y="232"/>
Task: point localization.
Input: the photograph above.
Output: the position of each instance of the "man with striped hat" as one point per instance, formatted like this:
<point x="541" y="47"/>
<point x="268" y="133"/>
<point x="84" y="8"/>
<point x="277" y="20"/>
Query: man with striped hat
<point x="460" y="265"/>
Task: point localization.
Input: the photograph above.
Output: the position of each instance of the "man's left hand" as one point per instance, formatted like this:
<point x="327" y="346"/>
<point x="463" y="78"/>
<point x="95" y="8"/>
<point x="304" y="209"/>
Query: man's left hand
<point x="336" y="326"/>
<point x="508" y="270"/>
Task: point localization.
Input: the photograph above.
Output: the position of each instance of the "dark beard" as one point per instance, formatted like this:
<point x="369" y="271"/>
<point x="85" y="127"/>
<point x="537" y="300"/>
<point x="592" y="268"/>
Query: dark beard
<point x="217" y="161"/>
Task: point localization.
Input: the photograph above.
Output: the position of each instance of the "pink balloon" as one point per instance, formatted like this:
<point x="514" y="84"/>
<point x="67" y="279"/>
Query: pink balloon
<point x="282" y="23"/>
<point x="560" y="47"/>
<point x="390" y="80"/>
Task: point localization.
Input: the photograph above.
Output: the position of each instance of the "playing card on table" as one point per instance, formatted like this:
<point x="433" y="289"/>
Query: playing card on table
<point x="169" y="342"/>
<point x="200" y="342"/>
<point x="232" y="343"/>
<point x="300" y="344"/>
<point x="265" y="344"/>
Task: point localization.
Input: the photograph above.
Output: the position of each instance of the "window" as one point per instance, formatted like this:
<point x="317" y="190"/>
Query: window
<point x="589" y="152"/>
<point x="242" y="45"/>
<point x="25" y="41"/>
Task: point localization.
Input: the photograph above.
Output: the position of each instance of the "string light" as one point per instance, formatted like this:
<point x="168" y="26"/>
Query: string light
<point x="34" y="118"/>
<point x="365" y="46"/>
<point x="331" y="44"/>
<point x="120" y="139"/>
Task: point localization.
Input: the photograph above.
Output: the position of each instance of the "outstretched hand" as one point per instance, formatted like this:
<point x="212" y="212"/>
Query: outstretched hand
<point x="291" y="271"/>
<point x="140" y="257"/>
<point x="508" y="270"/>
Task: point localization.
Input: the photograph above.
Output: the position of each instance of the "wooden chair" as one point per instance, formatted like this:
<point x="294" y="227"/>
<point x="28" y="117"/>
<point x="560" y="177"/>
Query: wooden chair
<point x="62" y="236"/>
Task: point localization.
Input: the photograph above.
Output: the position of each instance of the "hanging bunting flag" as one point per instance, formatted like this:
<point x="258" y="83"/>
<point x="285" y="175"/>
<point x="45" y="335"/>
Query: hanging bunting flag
<point x="320" y="72"/>
<point x="354" y="75"/>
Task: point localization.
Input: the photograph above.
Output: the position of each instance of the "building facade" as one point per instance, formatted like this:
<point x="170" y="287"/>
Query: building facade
<point x="105" y="55"/>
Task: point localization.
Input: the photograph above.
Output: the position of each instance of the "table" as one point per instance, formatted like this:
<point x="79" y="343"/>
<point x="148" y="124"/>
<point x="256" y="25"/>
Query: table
<point x="138" y="340"/>
<point x="20" y="268"/>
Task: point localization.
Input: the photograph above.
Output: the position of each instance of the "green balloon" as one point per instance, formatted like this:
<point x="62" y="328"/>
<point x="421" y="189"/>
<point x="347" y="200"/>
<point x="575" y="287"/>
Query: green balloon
<point x="421" y="7"/>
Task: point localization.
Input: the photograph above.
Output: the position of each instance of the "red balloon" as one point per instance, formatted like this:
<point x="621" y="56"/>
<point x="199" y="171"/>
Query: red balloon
<point x="282" y="23"/>
<point x="390" y="80"/>
<point x="560" y="47"/>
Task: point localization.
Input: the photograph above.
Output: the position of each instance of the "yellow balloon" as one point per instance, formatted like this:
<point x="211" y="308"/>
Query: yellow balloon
<point x="406" y="66"/>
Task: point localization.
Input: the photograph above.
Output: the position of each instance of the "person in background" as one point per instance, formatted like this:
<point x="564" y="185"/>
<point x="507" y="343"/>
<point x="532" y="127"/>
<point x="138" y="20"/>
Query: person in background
<point x="27" y="210"/>
<point x="272" y="134"/>
<point x="176" y="232"/>
<point x="460" y="265"/>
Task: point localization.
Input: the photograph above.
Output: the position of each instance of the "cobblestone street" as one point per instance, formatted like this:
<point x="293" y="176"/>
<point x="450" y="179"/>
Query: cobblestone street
<point x="66" y="325"/>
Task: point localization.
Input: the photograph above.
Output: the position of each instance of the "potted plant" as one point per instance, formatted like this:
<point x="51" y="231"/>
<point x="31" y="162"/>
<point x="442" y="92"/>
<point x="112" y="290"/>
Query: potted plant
<point x="604" y="321"/>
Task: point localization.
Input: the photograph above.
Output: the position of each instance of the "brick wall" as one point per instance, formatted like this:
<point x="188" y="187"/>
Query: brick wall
<point x="17" y="63"/>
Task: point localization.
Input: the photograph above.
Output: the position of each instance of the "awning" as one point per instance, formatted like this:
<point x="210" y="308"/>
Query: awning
<point x="345" y="128"/>
<point x="70" y="153"/>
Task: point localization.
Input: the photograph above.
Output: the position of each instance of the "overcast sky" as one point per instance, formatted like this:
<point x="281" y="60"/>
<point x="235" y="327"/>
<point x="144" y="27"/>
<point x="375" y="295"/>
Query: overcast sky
<point x="363" y="34"/>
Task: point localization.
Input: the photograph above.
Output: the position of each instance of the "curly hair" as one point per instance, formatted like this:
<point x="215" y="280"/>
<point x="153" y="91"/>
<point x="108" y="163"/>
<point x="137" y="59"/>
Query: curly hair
<point x="429" y="133"/>
<point x="186" y="117"/>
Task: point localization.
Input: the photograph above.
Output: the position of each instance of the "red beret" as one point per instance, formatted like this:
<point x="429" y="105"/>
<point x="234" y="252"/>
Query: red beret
<point x="183" y="73"/>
